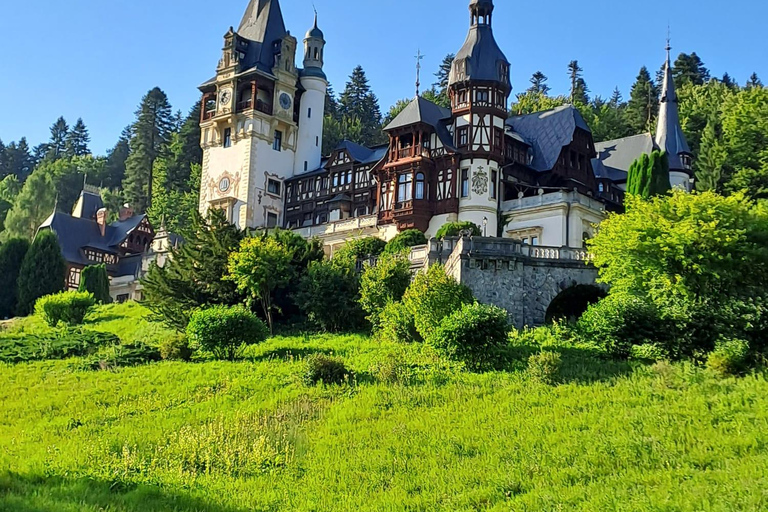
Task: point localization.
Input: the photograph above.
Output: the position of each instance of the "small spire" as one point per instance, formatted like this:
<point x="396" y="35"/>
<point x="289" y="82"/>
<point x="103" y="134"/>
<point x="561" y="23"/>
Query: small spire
<point x="315" y="9"/>
<point x="419" y="57"/>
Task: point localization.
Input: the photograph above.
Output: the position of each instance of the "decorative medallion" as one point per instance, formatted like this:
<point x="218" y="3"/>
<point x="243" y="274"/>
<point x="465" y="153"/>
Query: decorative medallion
<point x="480" y="181"/>
<point x="225" y="184"/>
<point x="228" y="185"/>
<point x="285" y="101"/>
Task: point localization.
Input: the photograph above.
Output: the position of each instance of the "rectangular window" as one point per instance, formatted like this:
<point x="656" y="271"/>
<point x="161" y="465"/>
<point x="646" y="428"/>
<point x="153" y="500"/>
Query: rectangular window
<point x="307" y="220"/>
<point x="273" y="187"/>
<point x="271" y="220"/>
<point x="228" y="137"/>
<point x="325" y="183"/>
<point x="336" y="180"/>
<point x="494" y="179"/>
<point x="463" y="136"/>
<point x="482" y="96"/>
<point x="465" y="183"/>
<point x="306" y="166"/>
<point x="497" y="137"/>
<point x="278" y="145"/>
<point x="309" y="113"/>
<point x="322" y="218"/>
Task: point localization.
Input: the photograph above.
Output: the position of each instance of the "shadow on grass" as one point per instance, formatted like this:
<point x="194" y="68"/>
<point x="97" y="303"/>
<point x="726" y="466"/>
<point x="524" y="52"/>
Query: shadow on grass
<point x="101" y="318"/>
<point x="579" y="364"/>
<point x="19" y="493"/>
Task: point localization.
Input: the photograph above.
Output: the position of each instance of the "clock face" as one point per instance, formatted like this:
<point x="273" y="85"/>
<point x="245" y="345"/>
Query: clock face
<point x="224" y="185"/>
<point x="225" y="96"/>
<point x="285" y="101"/>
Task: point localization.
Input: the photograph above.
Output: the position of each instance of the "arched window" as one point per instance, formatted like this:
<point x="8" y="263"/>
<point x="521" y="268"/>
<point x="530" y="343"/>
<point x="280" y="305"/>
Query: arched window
<point x="404" y="188"/>
<point x="420" y="186"/>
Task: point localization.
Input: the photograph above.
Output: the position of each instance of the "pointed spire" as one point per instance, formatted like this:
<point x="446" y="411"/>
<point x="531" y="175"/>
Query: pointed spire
<point x="419" y="57"/>
<point x="669" y="133"/>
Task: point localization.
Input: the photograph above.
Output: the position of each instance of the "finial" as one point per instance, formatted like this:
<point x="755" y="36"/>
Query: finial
<point x="419" y="57"/>
<point x="669" y="42"/>
<point x="315" y="9"/>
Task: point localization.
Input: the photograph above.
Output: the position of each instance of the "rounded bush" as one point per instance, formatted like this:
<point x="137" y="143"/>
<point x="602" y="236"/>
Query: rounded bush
<point x="619" y="322"/>
<point x="455" y="228"/>
<point x="396" y="324"/>
<point x="473" y="334"/>
<point x="328" y="370"/>
<point x="404" y="241"/>
<point x="69" y="308"/>
<point x="544" y="367"/>
<point x="224" y="331"/>
<point x="730" y="358"/>
<point x="176" y="348"/>
<point x="432" y="296"/>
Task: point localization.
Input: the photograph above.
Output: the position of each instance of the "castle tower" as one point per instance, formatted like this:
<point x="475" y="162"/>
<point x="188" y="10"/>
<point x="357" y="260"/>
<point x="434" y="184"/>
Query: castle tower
<point x="312" y="104"/>
<point x="479" y="86"/>
<point x="249" y="120"/>
<point x="669" y="133"/>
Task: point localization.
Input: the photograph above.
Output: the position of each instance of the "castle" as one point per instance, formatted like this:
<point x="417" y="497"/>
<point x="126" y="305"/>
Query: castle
<point x="539" y="179"/>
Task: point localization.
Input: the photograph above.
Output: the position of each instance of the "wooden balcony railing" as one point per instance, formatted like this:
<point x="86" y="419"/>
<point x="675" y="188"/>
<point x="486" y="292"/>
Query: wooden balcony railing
<point x="209" y="115"/>
<point x="244" y="105"/>
<point x="264" y="107"/>
<point x="413" y="152"/>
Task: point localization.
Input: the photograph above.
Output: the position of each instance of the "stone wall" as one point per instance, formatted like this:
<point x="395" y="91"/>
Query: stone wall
<point x="510" y="276"/>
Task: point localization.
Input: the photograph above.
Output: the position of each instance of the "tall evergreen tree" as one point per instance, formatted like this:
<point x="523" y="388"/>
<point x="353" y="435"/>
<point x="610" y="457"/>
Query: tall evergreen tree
<point x="12" y="255"/>
<point x="57" y="146"/>
<point x="754" y="81"/>
<point x="689" y="69"/>
<point x="443" y="76"/>
<point x="116" y="158"/>
<point x="151" y="137"/>
<point x="640" y="177"/>
<point x="193" y="276"/>
<point x="42" y="272"/>
<point x="729" y="82"/>
<point x="331" y="103"/>
<point x="3" y="165"/>
<point x="579" y="88"/>
<point x="643" y="105"/>
<point x="18" y="160"/>
<point x="77" y="140"/>
<point x="94" y="279"/>
<point x="539" y="83"/>
<point x="358" y="102"/>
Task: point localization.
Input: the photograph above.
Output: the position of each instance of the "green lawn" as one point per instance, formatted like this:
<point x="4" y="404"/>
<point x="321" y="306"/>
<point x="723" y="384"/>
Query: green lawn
<point x="250" y="436"/>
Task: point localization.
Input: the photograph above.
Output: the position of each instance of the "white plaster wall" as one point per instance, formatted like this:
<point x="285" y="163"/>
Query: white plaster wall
<point x="479" y="205"/>
<point x="310" y="128"/>
<point x="680" y="180"/>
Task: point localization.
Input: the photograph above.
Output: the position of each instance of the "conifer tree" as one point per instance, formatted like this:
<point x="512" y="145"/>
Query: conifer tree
<point x="77" y="140"/>
<point x="643" y="105"/>
<point x="712" y="157"/>
<point x="42" y="272"/>
<point x="18" y="160"/>
<point x="57" y="146"/>
<point x="193" y="276"/>
<point x="331" y="103"/>
<point x="539" y="83"/>
<point x="11" y="257"/>
<point x="660" y="184"/>
<point x="151" y="136"/>
<point x="116" y="158"/>
<point x="689" y="69"/>
<point x="649" y="175"/>
<point x="579" y="88"/>
<point x="754" y="81"/>
<point x="358" y="102"/>
<point x="94" y="279"/>
<point x="443" y="76"/>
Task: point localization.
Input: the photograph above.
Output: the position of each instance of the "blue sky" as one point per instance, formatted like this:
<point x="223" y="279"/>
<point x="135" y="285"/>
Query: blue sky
<point x="95" y="58"/>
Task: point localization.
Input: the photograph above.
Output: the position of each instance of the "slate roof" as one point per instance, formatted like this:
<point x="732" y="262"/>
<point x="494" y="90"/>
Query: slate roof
<point x="421" y="110"/>
<point x="609" y="173"/>
<point x="75" y="234"/>
<point x="669" y="133"/>
<point x="481" y="53"/>
<point x="87" y="205"/>
<point x="618" y="155"/>
<point x="362" y="154"/>
<point x="548" y="132"/>
<point x="261" y="26"/>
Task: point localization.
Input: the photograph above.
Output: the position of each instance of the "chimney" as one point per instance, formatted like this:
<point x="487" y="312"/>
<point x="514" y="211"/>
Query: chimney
<point x="101" y="220"/>
<point x="126" y="212"/>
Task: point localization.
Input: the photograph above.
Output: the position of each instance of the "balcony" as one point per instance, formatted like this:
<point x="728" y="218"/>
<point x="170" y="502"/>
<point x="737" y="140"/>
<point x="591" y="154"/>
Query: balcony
<point x="244" y="105"/>
<point x="264" y="107"/>
<point x="208" y="115"/>
<point x="341" y="226"/>
<point x="413" y="152"/>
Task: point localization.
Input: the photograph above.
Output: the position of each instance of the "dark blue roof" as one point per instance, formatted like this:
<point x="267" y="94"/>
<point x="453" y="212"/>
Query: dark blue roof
<point x="261" y="27"/>
<point x="362" y="154"/>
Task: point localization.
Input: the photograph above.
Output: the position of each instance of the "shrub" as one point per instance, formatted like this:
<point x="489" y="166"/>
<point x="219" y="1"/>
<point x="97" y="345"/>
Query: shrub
<point x="455" y="229"/>
<point x="130" y="354"/>
<point x="396" y="324"/>
<point x="329" y="295"/>
<point x="42" y="272"/>
<point x="223" y="330"/>
<point x="391" y="368"/>
<point x="176" y="348"/>
<point x="12" y="255"/>
<point x="382" y="284"/>
<point x="361" y="249"/>
<point x="544" y="367"/>
<point x="328" y="370"/>
<point x="404" y="241"/>
<point x="619" y="322"/>
<point x="60" y="345"/>
<point x="432" y="296"/>
<point x="473" y="334"/>
<point x="67" y="307"/>
<point x="94" y="279"/>
<point x="729" y="358"/>
<point x="649" y="352"/>
<point x="572" y="302"/>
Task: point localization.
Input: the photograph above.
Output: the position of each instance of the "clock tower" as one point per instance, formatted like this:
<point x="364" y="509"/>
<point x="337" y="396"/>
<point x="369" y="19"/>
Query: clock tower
<point x="251" y="121"/>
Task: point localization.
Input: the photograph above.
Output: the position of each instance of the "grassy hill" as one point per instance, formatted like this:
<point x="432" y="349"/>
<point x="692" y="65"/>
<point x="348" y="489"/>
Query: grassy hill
<point x="409" y="432"/>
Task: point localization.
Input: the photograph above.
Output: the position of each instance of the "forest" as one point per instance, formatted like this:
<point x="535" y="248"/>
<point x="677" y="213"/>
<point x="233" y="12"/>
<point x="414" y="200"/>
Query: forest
<point x="155" y="163"/>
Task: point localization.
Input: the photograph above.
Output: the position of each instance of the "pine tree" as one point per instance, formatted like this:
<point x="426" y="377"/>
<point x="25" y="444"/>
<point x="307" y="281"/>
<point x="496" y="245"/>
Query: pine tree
<point x="689" y="69"/>
<point x="331" y="103"/>
<point x="94" y="279"/>
<point x="11" y="257"/>
<point x="443" y="76"/>
<point x="185" y="151"/>
<point x="660" y="184"/>
<point x="358" y="102"/>
<point x="116" y="158"/>
<point x="643" y="105"/>
<point x="3" y="158"/>
<point x="77" y="140"/>
<point x="754" y="81"/>
<point x="579" y="88"/>
<point x="18" y="160"/>
<point x="193" y="276"/>
<point x="151" y="136"/>
<point x="57" y="146"/>
<point x="539" y="83"/>
<point x="729" y="82"/>
<point x="42" y="272"/>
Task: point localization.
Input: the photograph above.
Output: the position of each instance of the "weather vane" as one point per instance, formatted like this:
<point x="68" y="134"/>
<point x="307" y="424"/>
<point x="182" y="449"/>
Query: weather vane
<point x="419" y="57"/>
